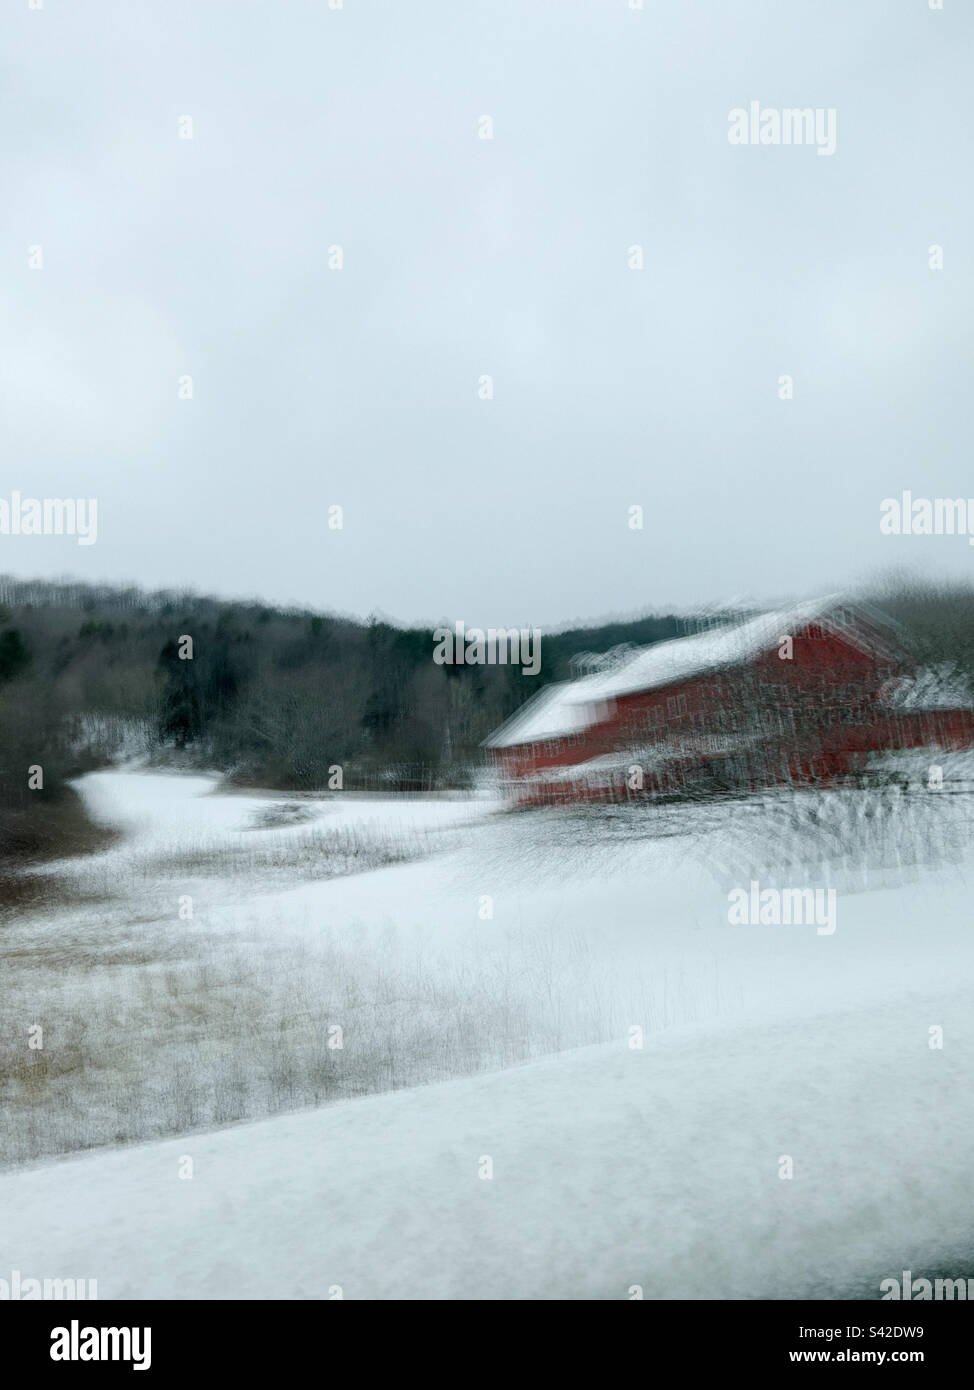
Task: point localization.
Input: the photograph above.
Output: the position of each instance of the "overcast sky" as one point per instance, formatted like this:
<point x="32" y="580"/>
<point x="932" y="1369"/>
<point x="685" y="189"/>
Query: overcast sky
<point x="465" y="257"/>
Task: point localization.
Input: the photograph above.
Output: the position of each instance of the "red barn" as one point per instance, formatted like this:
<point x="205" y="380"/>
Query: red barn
<point x="802" y="694"/>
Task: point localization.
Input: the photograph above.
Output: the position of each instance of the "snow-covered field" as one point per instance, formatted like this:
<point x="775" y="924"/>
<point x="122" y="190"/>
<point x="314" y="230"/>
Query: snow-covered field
<point x="562" y="1071"/>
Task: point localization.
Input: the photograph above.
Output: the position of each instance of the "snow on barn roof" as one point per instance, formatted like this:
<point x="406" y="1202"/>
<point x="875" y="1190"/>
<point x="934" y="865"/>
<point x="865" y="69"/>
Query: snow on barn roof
<point x="933" y="687"/>
<point x="561" y="708"/>
<point x="665" y="663"/>
<point x="593" y="769"/>
<point x="568" y="707"/>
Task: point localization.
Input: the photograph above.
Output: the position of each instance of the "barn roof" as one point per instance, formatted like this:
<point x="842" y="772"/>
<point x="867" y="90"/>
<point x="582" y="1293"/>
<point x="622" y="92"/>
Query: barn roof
<point x="568" y="707"/>
<point x="666" y="663"/>
<point x="564" y="707"/>
<point x="933" y="687"/>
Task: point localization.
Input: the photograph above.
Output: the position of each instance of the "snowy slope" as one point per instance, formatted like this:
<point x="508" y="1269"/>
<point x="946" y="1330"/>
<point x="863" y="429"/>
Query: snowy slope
<point x="611" y="1168"/>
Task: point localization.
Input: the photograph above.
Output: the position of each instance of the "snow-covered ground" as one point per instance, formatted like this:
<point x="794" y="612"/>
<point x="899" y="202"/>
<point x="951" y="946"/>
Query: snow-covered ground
<point x="471" y="940"/>
<point x="168" y="819"/>
<point x="610" y="1168"/>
